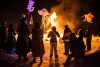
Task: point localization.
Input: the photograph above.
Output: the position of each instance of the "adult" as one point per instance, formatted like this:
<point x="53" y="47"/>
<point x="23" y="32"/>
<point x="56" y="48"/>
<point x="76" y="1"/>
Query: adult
<point x="3" y="32"/>
<point x="22" y="41"/>
<point x="37" y="43"/>
<point x="11" y="39"/>
<point x="76" y="49"/>
<point x="89" y="36"/>
<point x="66" y="40"/>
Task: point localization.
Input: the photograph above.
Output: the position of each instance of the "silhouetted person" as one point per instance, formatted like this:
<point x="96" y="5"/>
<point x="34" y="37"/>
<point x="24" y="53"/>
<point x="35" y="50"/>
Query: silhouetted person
<point x="53" y="41"/>
<point x="22" y="41"/>
<point x="81" y="42"/>
<point x="75" y="49"/>
<point x="37" y="43"/>
<point x="89" y="36"/>
<point x="3" y="36"/>
<point x="11" y="39"/>
<point x="66" y="40"/>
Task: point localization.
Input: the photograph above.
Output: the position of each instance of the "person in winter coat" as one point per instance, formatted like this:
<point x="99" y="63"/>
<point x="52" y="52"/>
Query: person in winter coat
<point x="66" y="40"/>
<point x="76" y="48"/>
<point x="22" y="41"/>
<point x="11" y="39"/>
<point x="53" y="41"/>
<point x="37" y="43"/>
<point x="3" y="36"/>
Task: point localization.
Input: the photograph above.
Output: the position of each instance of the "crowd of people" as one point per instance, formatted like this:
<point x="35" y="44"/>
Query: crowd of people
<point x="24" y="44"/>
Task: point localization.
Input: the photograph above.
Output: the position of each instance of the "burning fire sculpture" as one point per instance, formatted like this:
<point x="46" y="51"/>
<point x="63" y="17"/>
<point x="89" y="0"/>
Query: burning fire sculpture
<point x="89" y="17"/>
<point x="47" y="20"/>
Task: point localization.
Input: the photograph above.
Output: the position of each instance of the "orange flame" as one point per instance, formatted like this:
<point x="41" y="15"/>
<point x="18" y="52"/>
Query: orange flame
<point x="52" y="18"/>
<point x="89" y="17"/>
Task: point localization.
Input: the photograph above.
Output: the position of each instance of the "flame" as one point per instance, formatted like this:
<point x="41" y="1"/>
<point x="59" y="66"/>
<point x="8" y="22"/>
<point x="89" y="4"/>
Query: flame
<point x="52" y="18"/>
<point x="50" y="23"/>
<point x="89" y="17"/>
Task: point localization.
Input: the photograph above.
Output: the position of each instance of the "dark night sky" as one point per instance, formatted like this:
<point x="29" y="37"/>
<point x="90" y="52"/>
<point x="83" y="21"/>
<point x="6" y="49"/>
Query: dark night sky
<point x="12" y="9"/>
<point x="95" y="7"/>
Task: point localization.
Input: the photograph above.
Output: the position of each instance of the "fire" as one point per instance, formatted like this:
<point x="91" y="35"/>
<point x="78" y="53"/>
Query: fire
<point x="89" y="17"/>
<point x="52" y="18"/>
<point x="50" y="23"/>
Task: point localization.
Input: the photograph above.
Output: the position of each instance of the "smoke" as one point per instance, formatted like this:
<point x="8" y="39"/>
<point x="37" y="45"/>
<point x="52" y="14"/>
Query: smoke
<point x="67" y="13"/>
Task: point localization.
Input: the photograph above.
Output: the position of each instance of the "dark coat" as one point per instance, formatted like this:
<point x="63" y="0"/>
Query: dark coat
<point x="3" y="37"/>
<point x="37" y="43"/>
<point x="65" y="35"/>
<point x="22" y="41"/>
<point x="53" y="36"/>
<point x="11" y="41"/>
<point x="77" y="47"/>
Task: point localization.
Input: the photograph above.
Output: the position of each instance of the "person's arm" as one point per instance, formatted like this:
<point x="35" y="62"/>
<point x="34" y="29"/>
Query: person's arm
<point x="64" y="35"/>
<point x="57" y="34"/>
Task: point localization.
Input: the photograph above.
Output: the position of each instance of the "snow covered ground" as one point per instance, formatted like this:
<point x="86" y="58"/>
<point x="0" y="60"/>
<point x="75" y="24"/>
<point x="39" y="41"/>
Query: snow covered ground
<point x="47" y="62"/>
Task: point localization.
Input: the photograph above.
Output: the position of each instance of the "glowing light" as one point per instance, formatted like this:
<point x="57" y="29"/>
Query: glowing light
<point x="52" y="18"/>
<point x="89" y="17"/>
<point x="30" y="7"/>
<point x="43" y="12"/>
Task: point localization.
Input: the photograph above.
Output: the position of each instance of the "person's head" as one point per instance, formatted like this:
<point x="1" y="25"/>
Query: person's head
<point x="81" y="32"/>
<point x="53" y="28"/>
<point x="23" y="18"/>
<point x="23" y="15"/>
<point x="66" y="26"/>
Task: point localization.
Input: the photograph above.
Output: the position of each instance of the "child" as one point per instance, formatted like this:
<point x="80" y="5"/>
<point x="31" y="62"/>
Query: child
<point x="53" y="41"/>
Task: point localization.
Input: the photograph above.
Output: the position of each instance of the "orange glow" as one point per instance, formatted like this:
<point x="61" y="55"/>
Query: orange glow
<point x="52" y="18"/>
<point x="55" y="20"/>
